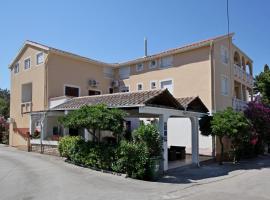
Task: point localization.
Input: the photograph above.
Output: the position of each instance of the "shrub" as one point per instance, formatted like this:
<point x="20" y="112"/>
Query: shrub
<point x="259" y="115"/>
<point x="67" y="145"/>
<point x="132" y="159"/>
<point x="149" y="135"/>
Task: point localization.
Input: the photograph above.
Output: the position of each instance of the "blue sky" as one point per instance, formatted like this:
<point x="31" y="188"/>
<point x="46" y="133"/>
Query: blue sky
<point x="113" y="31"/>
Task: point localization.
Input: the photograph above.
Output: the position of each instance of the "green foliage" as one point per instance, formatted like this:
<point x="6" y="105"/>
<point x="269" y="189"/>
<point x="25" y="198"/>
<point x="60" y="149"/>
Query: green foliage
<point x="136" y="158"/>
<point x="232" y="124"/>
<point x="95" y="119"/>
<point x="4" y="103"/>
<point x="132" y="158"/>
<point x="205" y="125"/>
<point x="149" y="135"/>
<point x="67" y="145"/>
<point x="262" y="85"/>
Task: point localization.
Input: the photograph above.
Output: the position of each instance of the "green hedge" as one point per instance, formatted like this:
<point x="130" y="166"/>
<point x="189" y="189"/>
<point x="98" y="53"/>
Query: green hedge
<point x="135" y="158"/>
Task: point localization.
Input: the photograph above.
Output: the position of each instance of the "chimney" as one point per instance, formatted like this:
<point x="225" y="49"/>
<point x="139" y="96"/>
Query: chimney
<point x="145" y="47"/>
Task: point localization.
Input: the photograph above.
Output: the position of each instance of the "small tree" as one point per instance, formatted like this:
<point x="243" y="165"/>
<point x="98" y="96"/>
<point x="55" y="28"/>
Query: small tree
<point x="4" y="103"/>
<point x="149" y="135"/>
<point x="95" y="119"/>
<point x="262" y="85"/>
<point x="231" y="124"/>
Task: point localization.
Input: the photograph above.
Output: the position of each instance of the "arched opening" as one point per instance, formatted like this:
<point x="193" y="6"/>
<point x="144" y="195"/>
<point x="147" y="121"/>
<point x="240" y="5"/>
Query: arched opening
<point x="249" y="68"/>
<point x="236" y="59"/>
<point x="243" y="64"/>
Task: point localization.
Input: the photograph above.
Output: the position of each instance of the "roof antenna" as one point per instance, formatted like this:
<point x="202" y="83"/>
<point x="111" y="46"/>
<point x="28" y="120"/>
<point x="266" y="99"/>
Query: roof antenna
<point x="145" y="47"/>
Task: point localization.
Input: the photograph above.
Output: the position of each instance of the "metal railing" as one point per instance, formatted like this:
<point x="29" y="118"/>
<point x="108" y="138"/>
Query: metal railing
<point x="238" y="104"/>
<point x="243" y="76"/>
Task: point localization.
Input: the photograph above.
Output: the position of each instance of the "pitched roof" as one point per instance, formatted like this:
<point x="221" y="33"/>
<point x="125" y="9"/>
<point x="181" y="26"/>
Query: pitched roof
<point x="193" y="104"/>
<point x="179" y="49"/>
<point x="163" y="53"/>
<point x="159" y="98"/>
<point x="55" y="50"/>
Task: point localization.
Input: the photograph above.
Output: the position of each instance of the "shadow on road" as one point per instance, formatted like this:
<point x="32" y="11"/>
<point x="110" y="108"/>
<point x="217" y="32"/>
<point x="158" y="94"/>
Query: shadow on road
<point x="213" y="170"/>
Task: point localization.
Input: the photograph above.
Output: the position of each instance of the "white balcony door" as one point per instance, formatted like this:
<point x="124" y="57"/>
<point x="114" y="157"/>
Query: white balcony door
<point x="168" y="84"/>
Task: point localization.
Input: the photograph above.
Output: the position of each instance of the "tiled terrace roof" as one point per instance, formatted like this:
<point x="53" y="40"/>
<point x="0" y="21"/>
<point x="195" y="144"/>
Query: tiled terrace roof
<point x="193" y="104"/>
<point x="159" y="98"/>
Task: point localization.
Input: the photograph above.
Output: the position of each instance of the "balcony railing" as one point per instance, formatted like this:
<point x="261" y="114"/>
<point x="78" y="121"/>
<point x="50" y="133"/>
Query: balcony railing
<point x="238" y="105"/>
<point x="243" y="76"/>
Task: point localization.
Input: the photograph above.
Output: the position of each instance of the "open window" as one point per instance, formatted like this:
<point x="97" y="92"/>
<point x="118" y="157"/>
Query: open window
<point x="72" y="91"/>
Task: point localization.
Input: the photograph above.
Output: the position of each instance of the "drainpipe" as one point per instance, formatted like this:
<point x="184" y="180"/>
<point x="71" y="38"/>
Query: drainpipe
<point x="213" y="80"/>
<point x="46" y="82"/>
<point x="213" y="93"/>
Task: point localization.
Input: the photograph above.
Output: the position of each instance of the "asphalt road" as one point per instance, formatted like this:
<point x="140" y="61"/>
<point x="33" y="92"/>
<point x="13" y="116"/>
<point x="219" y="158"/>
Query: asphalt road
<point x="27" y="176"/>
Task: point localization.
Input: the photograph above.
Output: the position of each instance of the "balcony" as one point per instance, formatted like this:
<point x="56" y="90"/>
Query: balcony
<point x="238" y="105"/>
<point x="243" y="76"/>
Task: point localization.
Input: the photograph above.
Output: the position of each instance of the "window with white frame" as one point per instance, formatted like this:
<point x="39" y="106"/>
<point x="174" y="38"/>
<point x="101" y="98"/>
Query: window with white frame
<point x="40" y="58"/>
<point x="152" y="64"/>
<point x="167" y="84"/>
<point x="124" y="89"/>
<point x="224" y="85"/>
<point x="224" y="53"/>
<point x="139" y="86"/>
<point x="27" y="63"/>
<point x="108" y="72"/>
<point x="124" y="72"/>
<point x="16" y="68"/>
<point x="166" y="62"/>
<point x="153" y="85"/>
<point x="139" y="67"/>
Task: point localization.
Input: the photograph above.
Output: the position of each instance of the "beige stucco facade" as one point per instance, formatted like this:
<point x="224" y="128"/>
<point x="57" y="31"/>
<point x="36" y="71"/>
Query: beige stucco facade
<point x="195" y="70"/>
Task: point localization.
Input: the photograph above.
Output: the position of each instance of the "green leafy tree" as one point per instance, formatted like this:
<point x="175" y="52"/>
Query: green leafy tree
<point x="149" y="135"/>
<point x="232" y="125"/>
<point x="4" y="103"/>
<point x="262" y="85"/>
<point x="95" y="119"/>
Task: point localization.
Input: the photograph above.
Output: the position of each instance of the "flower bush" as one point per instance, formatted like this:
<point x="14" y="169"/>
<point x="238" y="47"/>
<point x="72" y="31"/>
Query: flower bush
<point x="259" y="115"/>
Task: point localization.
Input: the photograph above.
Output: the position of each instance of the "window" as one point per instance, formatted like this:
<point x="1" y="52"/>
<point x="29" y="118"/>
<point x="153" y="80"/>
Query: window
<point x="27" y="63"/>
<point x="168" y="84"/>
<point x="124" y="72"/>
<point x="72" y="91"/>
<point x="108" y="72"/>
<point x="166" y="62"/>
<point x="139" y="86"/>
<point x="40" y="58"/>
<point x="93" y="92"/>
<point x="139" y="67"/>
<point x="124" y="89"/>
<point x="152" y="64"/>
<point x="26" y="93"/>
<point x="16" y="68"/>
<point x="224" y="54"/>
<point x="224" y="85"/>
<point x="153" y="85"/>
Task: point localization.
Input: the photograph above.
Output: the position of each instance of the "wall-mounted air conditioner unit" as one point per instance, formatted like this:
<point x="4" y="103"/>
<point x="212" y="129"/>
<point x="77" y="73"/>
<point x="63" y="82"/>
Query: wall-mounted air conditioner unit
<point x="92" y="83"/>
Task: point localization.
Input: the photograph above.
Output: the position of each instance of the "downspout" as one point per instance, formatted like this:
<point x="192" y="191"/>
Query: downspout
<point x="213" y="92"/>
<point x="46" y="82"/>
<point x="213" y="78"/>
